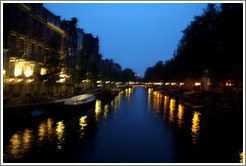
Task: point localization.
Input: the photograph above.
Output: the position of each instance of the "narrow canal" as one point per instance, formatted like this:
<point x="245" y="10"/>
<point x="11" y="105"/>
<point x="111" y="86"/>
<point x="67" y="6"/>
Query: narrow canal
<point x="137" y="126"/>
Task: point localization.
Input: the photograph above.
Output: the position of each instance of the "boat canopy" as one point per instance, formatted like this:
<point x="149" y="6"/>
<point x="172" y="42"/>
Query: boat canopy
<point x="76" y="98"/>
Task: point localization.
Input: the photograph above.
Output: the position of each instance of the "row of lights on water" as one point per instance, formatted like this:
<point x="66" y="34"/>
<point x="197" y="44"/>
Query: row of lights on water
<point x="23" y="141"/>
<point x="170" y="104"/>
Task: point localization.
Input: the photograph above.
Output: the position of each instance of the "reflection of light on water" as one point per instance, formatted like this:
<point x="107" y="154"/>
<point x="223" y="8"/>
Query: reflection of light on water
<point x="241" y="157"/>
<point x="26" y="136"/>
<point x="150" y="90"/>
<point x="130" y="90"/>
<point x="180" y="114"/>
<point x="45" y="129"/>
<point x="117" y="100"/>
<point x="171" y="110"/>
<point x="166" y="100"/>
<point x="22" y="141"/>
<point x="50" y="123"/>
<point x="60" y="133"/>
<point x="98" y="108"/>
<point x="27" y="139"/>
<point x="156" y="100"/>
<point x="83" y="124"/>
<point x="15" y="145"/>
<point x="195" y="126"/>
<point x="128" y="93"/>
<point x="19" y="144"/>
<point x="42" y="130"/>
<point x="106" y="108"/>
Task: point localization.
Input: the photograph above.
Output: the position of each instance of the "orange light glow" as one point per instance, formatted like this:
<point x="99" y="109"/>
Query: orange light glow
<point x="18" y="68"/>
<point x="43" y="71"/>
<point x="197" y="84"/>
<point x="28" y="69"/>
<point x="180" y="114"/>
<point x="195" y="126"/>
<point x="171" y="111"/>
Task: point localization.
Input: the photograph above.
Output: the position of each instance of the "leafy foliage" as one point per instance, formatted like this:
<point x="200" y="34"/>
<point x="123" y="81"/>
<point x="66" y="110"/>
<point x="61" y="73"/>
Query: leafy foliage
<point x="52" y="63"/>
<point x="213" y="42"/>
<point x="127" y="75"/>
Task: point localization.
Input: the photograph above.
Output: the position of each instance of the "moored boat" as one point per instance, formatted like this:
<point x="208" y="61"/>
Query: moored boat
<point x="80" y="100"/>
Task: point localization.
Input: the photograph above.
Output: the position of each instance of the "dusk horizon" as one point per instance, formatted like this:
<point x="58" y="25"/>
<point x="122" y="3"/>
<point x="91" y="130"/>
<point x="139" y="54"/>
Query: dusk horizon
<point x="135" y="35"/>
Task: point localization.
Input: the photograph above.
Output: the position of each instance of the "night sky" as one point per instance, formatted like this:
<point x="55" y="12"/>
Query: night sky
<point x="135" y="35"/>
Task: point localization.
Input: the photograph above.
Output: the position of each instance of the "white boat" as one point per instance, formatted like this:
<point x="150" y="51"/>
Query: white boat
<point x="77" y="100"/>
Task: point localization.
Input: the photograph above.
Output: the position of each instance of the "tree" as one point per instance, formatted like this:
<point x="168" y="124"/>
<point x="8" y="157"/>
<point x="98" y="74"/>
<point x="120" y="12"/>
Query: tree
<point x="213" y="42"/>
<point x="79" y="67"/>
<point x="127" y="75"/>
<point x="52" y="64"/>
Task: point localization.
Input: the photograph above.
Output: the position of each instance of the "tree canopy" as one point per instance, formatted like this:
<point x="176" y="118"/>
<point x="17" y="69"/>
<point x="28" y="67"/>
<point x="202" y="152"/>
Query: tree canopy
<point x="211" y="42"/>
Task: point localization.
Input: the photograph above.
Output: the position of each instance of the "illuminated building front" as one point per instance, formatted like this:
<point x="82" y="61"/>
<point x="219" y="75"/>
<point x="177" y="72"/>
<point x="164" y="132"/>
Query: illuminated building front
<point x="27" y="27"/>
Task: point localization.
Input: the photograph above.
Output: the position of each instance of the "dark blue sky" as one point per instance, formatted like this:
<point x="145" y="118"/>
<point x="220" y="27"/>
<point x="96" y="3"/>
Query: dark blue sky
<point x="135" y="35"/>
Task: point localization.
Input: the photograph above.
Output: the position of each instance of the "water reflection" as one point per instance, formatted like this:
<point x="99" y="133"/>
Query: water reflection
<point x="166" y="100"/>
<point x="180" y="114"/>
<point x="45" y="129"/>
<point x="50" y="123"/>
<point x="98" y="108"/>
<point x="83" y="124"/>
<point x="41" y="131"/>
<point x="117" y="100"/>
<point x="195" y="126"/>
<point x="171" y="110"/>
<point x="106" y="109"/>
<point x="54" y="133"/>
<point x="157" y="99"/>
<point x="15" y="146"/>
<point x="60" y="134"/>
<point x="27" y="137"/>
<point x="19" y="144"/>
<point x="150" y="90"/>
<point x="241" y="156"/>
<point x="128" y="93"/>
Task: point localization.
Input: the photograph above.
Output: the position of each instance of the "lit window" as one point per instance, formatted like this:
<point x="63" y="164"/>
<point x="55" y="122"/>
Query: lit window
<point x="28" y="69"/>
<point x="18" y="68"/>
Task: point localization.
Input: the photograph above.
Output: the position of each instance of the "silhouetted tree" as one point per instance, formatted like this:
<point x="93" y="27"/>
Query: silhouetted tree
<point x="52" y="64"/>
<point x="127" y="75"/>
<point x="213" y="42"/>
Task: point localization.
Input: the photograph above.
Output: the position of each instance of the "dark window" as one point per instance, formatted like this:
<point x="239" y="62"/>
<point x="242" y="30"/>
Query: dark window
<point x="40" y="50"/>
<point x="12" y="42"/>
<point x="21" y="45"/>
<point x="32" y="49"/>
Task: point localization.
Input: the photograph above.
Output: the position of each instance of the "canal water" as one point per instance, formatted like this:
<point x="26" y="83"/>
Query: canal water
<point x="137" y="126"/>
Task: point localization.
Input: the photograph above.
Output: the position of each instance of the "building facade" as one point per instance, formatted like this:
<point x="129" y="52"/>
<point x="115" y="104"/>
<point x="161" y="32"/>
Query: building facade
<point x="27" y="27"/>
<point x="80" y="34"/>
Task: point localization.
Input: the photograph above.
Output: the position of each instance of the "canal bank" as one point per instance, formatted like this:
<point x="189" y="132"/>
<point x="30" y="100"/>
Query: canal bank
<point x="136" y="126"/>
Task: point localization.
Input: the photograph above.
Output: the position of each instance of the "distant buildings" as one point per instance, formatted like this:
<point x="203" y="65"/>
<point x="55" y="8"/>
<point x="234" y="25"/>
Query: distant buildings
<point x="91" y="46"/>
<point x="80" y="34"/>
